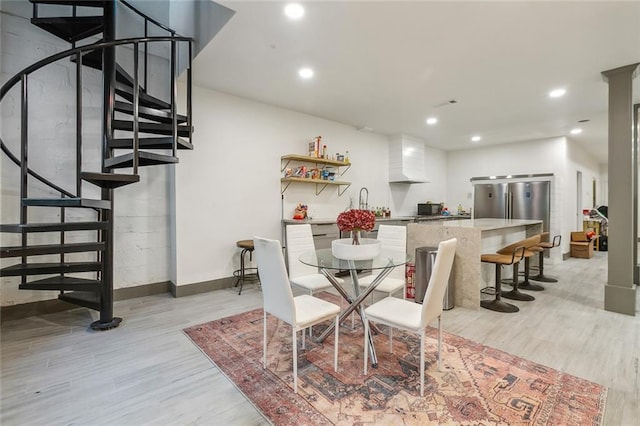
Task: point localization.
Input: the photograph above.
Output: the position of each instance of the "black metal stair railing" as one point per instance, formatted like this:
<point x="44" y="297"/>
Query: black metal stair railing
<point x="106" y="178"/>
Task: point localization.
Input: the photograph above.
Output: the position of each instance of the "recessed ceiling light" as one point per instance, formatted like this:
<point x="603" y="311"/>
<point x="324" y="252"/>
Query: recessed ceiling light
<point x="556" y="93"/>
<point x="294" y="11"/>
<point x="431" y="121"/>
<point x="576" y="131"/>
<point x="475" y="138"/>
<point x="305" y="73"/>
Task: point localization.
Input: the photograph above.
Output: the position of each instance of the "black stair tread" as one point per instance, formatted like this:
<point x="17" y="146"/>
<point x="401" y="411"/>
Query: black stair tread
<point x="86" y="3"/>
<point x="70" y="28"/>
<point x="126" y="91"/>
<point x="144" y="158"/>
<point x="67" y="202"/>
<point x="54" y="227"/>
<point x="165" y="142"/>
<point x="87" y="299"/>
<point x="41" y="249"/>
<point x="109" y="180"/>
<point x="93" y="59"/>
<point x="63" y="283"/>
<point x="155" y="128"/>
<point x="49" y="268"/>
<point x="154" y="114"/>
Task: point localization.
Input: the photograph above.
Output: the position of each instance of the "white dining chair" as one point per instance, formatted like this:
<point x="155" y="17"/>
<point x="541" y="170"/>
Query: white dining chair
<point x="300" y="311"/>
<point x="391" y="238"/>
<point x="300" y="240"/>
<point x="411" y="316"/>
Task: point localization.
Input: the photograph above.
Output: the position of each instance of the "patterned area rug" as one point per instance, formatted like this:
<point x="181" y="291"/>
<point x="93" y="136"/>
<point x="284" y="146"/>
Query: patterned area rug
<point x="477" y="384"/>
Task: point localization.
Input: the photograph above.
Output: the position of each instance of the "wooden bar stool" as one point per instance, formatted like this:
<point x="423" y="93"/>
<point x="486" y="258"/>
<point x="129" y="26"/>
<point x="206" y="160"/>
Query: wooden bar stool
<point x="516" y="256"/>
<point x="515" y="293"/>
<point x="545" y="244"/>
<point x="245" y="274"/>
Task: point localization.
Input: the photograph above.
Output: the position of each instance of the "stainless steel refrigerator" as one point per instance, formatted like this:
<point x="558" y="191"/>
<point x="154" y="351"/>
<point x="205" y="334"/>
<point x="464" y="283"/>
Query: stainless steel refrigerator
<point x="514" y="200"/>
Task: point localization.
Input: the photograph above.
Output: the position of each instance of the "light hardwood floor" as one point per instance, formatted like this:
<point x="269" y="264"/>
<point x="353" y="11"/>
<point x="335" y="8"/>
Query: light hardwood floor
<point x="56" y="371"/>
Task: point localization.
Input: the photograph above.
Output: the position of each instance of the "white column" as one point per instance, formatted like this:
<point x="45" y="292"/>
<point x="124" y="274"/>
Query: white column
<point x="619" y="294"/>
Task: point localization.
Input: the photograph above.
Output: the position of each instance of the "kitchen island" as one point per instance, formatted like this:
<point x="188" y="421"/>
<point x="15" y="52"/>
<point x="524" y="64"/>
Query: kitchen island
<point x="475" y="236"/>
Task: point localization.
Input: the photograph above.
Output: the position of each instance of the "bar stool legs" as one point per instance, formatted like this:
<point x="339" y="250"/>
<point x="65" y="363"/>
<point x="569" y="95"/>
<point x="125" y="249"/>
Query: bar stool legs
<point x="526" y="285"/>
<point x="516" y="294"/>
<point x="245" y="274"/>
<point x="497" y="304"/>
<point x="546" y="245"/>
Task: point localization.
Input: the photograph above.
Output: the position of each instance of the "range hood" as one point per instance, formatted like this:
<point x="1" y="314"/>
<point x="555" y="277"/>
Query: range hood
<point x="406" y="160"/>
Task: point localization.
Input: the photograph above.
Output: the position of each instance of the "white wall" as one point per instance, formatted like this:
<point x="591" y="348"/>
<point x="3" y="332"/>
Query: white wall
<point x="228" y="188"/>
<point x="559" y="156"/>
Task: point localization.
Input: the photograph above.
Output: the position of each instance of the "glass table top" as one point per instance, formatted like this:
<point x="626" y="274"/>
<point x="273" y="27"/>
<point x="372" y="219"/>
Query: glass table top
<point x="324" y="258"/>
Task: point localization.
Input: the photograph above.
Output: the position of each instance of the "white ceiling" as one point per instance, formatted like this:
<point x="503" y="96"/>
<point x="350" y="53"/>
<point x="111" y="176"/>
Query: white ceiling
<point x="389" y="65"/>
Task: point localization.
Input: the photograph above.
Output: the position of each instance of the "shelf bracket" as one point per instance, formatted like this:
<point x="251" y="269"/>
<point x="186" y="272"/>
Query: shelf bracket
<point x="323" y="187"/>
<point x="282" y="168"/>
<point x="282" y="190"/>
<point x="345" y="170"/>
<point x="345" y="188"/>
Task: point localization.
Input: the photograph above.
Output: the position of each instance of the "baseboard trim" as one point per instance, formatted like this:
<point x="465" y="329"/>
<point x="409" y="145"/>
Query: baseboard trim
<point x="43" y="307"/>
<point x="201" y="287"/>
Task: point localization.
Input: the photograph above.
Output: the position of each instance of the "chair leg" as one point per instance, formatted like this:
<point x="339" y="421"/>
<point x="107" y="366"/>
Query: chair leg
<point x="440" y="342"/>
<point x="390" y="339"/>
<point x="264" y="340"/>
<point x="335" y="344"/>
<point x="422" y="363"/>
<point x="303" y="339"/>
<point x="366" y="346"/>
<point x="294" y="344"/>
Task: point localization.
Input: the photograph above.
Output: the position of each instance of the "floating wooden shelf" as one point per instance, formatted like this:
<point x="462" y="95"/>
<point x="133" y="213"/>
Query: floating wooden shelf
<point x="320" y="183"/>
<point x="314" y="160"/>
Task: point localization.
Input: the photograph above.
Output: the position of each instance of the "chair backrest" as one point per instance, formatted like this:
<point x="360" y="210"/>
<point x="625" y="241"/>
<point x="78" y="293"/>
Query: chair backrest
<point x="394" y="238"/>
<point x="432" y="302"/>
<point x="299" y="240"/>
<point x="276" y="290"/>
<point x="527" y="242"/>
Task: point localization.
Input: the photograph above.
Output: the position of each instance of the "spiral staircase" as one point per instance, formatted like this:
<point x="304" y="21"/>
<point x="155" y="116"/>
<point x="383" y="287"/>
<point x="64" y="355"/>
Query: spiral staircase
<point x="138" y="130"/>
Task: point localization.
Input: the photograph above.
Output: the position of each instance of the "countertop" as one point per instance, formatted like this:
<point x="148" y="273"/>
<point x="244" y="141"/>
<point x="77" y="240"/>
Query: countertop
<point x="325" y="221"/>
<point x="490" y="224"/>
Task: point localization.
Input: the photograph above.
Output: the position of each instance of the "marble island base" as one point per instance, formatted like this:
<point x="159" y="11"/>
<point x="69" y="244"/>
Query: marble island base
<point x="475" y="237"/>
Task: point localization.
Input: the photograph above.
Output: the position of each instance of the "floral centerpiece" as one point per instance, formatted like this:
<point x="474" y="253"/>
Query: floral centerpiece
<point x="354" y="221"/>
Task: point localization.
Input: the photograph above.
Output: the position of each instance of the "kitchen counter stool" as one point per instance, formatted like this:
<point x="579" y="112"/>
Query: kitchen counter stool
<point x="245" y="274"/>
<point x="501" y="259"/>
<point x="545" y="244"/>
<point x="528" y="243"/>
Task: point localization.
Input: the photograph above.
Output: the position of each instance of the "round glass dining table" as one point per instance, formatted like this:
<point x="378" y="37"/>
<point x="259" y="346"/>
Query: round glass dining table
<point x="381" y="265"/>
